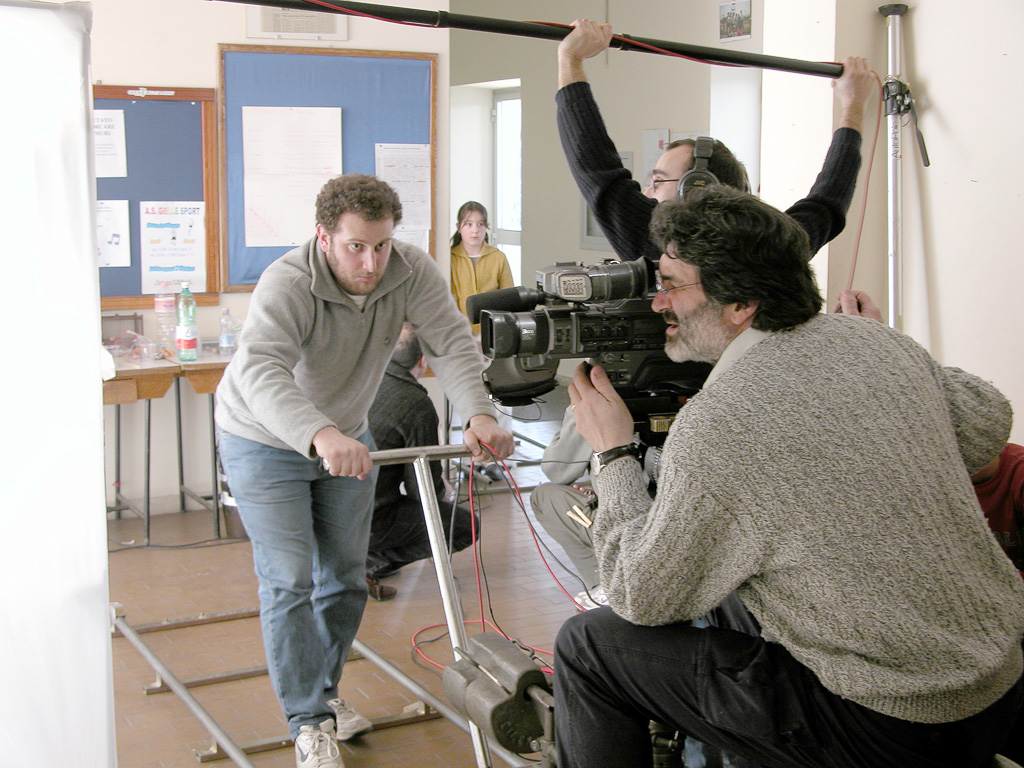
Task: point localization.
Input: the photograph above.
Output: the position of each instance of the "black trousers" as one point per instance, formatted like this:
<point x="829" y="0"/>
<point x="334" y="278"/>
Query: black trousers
<point x="1013" y="748"/>
<point x="398" y="534"/>
<point x="749" y="697"/>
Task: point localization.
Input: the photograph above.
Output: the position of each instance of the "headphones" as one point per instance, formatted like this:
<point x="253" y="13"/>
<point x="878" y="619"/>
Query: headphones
<point x="698" y="176"/>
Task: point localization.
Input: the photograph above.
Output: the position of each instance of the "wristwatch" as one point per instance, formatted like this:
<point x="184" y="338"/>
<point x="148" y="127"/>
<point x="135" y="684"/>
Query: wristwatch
<point x="601" y="460"/>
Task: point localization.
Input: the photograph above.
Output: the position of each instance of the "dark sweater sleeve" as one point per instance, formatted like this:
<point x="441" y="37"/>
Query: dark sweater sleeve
<point x="421" y="430"/>
<point x="616" y="200"/>
<point x="822" y="213"/>
<point x="624" y="212"/>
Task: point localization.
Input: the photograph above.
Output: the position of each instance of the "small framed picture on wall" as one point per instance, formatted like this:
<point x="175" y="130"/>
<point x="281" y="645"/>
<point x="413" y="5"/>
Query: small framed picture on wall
<point x="734" y="21"/>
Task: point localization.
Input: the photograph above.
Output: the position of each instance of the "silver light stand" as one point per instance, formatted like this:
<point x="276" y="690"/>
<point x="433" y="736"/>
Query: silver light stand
<point x="898" y="102"/>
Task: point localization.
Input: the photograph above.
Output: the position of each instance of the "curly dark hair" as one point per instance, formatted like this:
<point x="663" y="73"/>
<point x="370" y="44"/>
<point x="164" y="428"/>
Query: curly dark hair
<point x="745" y="250"/>
<point x="359" y="193"/>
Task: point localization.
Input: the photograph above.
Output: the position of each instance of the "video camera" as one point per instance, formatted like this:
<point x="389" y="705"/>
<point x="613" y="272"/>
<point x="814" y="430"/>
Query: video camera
<point x="602" y="313"/>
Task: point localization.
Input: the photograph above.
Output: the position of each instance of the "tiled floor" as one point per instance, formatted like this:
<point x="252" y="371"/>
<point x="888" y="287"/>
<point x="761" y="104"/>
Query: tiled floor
<point x="172" y="581"/>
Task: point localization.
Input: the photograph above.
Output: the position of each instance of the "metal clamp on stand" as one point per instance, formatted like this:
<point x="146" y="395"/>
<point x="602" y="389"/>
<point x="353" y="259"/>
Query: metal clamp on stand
<point x="500" y="689"/>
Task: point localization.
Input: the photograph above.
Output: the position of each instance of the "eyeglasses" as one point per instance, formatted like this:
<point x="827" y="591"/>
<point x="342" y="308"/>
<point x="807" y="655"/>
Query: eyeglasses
<point x="655" y="182"/>
<point x="659" y="286"/>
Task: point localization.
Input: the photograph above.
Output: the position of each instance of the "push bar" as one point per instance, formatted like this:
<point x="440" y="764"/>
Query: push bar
<point x="446" y="20"/>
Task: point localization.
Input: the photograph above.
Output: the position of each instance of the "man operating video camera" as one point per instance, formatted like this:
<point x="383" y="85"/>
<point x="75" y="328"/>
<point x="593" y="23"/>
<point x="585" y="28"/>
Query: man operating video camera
<point x="798" y="478"/>
<point x="526" y="345"/>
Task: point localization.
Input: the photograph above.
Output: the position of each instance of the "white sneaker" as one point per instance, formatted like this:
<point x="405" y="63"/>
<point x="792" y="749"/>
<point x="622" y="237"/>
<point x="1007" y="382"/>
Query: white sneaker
<point x="595" y="599"/>
<point x="315" y="747"/>
<point x="349" y="722"/>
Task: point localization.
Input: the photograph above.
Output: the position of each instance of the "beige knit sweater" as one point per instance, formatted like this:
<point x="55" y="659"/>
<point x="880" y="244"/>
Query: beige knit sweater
<point x="824" y="476"/>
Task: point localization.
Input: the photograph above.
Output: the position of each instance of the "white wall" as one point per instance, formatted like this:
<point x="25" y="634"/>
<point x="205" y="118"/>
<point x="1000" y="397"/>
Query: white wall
<point x="956" y="241"/>
<point x="963" y="272"/>
<point x="962" y="276"/>
<point x="963" y="268"/>
<point x="472" y="162"/>
<point x="174" y="43"/>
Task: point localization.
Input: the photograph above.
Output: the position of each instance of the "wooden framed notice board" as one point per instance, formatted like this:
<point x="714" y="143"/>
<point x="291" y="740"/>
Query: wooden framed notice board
<point x="297" y="105"/>
<point x="169" y="157"/>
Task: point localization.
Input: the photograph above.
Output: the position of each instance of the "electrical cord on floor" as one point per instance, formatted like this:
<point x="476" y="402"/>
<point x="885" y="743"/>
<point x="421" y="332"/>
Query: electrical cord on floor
<point x="125" y="546"/>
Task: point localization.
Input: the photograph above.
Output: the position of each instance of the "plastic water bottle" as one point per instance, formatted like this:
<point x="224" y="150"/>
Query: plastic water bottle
<point x="187" y="333"/>
<point x="227" y="341"/>
<point x="163" y="305"/>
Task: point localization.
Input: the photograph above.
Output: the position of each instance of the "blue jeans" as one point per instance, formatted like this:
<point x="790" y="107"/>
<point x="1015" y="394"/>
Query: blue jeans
<point x="309" y="533"/>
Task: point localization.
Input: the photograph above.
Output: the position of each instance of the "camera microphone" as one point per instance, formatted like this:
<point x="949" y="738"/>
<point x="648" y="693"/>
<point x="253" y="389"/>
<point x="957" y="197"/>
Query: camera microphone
<point x="514" y="299"/>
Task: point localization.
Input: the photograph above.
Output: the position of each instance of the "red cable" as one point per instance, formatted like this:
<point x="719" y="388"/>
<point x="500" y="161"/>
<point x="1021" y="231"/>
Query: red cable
<point x="418" y="632"/>
<point x="537" y="543"/>
<point x="484" y="623"/>
<point x="473" y="533"/>
<point x="867" y="185"/>
<point x="335" y="7"/>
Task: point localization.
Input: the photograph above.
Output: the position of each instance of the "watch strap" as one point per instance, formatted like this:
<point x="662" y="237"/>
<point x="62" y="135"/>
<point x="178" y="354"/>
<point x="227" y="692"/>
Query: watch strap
<point x="604" y="458"/>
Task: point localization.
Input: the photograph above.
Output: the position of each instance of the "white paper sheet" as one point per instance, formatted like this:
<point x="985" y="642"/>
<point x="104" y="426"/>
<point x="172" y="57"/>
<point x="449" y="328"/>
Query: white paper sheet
<point x="113" y="234"/>
<point x="109" y="146"/>
<point x="288" y="155"/>
<point x="406" y="167"/>
<point x="418" y="237"/>
<point x="173" y="236"/>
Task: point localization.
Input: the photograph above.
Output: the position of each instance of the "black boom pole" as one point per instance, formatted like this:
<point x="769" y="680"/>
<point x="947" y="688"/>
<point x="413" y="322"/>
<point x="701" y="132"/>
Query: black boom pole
<point x="443" y="20"/>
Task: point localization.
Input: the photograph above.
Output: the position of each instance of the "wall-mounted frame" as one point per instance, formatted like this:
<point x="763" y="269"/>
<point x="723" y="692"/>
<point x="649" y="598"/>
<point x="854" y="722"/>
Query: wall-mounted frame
<point x="171" y="152"/>
<point x="591" y="236"/>
<point x="291" y="24"/>
<point x="384" y="98"/>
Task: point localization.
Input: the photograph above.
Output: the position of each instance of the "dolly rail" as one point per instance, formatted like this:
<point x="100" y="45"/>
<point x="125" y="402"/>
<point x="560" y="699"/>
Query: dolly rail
<point x="514" y="760"/>
<point x="482" y="745"/>
<point x="219" y="734"/>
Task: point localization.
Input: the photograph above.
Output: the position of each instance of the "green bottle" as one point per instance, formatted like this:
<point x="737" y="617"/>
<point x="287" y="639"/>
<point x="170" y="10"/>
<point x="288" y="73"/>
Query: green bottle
<point x="186" y="333"/>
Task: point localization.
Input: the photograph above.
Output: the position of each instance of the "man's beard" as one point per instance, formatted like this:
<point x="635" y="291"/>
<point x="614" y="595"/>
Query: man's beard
<point x="700" y="336"/>
<point x="348" y="284"/>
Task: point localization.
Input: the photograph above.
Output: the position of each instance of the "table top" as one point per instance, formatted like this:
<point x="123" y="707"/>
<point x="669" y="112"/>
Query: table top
<point x="130" y="369"/>
<point x="148" y="379"/>
<point x="207" y="360"/>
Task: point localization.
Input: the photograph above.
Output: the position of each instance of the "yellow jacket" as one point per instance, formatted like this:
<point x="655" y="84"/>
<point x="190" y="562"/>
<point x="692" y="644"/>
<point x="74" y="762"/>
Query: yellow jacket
<point x="488" y="272"/>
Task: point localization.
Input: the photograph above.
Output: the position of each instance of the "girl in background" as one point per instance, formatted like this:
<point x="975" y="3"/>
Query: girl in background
<point x="477" y="266"/>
